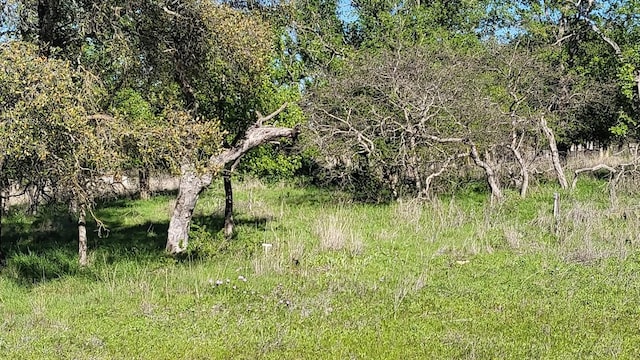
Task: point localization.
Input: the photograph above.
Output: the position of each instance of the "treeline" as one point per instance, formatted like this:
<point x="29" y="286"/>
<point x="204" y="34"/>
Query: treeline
<point x="391" y="94"/>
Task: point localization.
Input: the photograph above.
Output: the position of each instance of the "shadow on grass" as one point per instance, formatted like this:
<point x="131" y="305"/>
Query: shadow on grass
<point x="45" y="247"/>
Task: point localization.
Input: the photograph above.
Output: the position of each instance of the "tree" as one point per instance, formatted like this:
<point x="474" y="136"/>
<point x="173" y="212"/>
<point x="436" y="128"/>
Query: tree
<point x="220" y="73"/>
<point x="405" y="117"/>
<point x="591" y="39"/>
<point x="393" y="24"/>
<point x="49" y="136"/>
<point x="166" y="69"/>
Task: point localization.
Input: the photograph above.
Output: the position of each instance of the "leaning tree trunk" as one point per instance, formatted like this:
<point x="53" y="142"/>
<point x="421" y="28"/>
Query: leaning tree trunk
<point x="555" y="154"/>
<point x="192" y="184"/>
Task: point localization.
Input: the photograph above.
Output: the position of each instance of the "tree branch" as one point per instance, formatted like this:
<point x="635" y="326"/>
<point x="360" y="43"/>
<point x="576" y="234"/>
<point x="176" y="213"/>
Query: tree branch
<point x="591" y="169"/>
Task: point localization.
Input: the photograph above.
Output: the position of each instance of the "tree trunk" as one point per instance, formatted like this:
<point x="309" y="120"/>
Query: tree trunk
<point x="143" y="181"/>
<point x="228" y="203"/>
<point x="191" y="185"/>
<point x="432" y="176"/>
<point x="524" y="171"/>
<point x="82" y="235"/>
<point x="413" y="165"/>
<point x="555" y="155"/>
<point x="494" y="184"/>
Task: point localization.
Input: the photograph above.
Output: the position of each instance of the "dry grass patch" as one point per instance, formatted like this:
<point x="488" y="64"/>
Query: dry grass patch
<point x="409" y="212"/>
<point x="586" y="234"/>
<point x="336" y="233"/>
<point x="268" y="260"/>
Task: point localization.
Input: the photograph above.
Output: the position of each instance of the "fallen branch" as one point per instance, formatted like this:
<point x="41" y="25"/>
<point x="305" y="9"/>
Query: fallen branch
<point x="591" y="169"/>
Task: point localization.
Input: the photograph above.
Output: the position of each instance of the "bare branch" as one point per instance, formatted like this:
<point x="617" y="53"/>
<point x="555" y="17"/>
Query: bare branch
<point x="262" y="119"/>
<point x="100" y="117"/>
<point x="608" y="40"/>
<point x="591" y="169"/>
<point x="445" y="140"/>
<point x="172" y="13"/>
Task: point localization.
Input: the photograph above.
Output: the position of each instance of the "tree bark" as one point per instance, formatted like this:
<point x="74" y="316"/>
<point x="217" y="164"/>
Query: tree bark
<point x="82" y="235"/>
<point x="524" y="172"/>
<point x="143" y="181"/>
<point x="555" y="154"/>
<point x="228" y="203"/>
<point x="494" y="184"/>
<point x="192" y="184"/>
<point x="524" y="169"/>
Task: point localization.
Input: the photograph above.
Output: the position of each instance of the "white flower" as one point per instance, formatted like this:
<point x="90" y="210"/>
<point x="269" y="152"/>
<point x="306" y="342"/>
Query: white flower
<point x="242" y="278"/>
<point x="219" y="282"/>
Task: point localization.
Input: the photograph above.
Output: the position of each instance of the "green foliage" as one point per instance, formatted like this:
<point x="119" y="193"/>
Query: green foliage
<point x="626" y="77"/>
<point x="203" y="244"/>
<point x="621" y="129"/>
<point x="389" y="24"/>
<point x="270" y="161"/>
<point x="312" y="41"/>
<point x="130" y="105"/>
<point x="45" y="129"/>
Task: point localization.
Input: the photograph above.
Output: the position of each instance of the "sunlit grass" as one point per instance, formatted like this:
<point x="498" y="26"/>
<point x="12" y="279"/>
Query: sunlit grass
<point x="452" y="278"/>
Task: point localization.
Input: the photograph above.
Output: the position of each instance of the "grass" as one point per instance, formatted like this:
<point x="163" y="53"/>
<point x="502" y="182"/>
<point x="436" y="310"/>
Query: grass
<point x="453" y="278"/>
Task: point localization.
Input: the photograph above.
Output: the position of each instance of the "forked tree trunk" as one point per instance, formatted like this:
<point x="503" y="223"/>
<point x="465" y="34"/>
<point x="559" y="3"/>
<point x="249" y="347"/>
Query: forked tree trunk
<point x="494" y="184"/>
<point x="82" y="234"/>
<point x="524" y="171"/>
<point x="192" y="184"/>
<point x="555" y="154"/>
<point x="143" y="181"/>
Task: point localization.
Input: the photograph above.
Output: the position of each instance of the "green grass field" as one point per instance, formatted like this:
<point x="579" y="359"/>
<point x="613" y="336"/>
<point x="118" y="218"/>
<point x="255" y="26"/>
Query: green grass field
<point x="452" y="278"/>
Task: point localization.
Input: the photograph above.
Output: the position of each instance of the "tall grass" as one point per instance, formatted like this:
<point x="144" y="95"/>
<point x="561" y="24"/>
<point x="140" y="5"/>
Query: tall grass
<point x="313" y="275"/>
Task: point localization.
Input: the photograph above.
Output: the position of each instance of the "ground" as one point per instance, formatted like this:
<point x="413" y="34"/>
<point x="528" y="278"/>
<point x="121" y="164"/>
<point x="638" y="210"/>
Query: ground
<point x="451" y="278"/>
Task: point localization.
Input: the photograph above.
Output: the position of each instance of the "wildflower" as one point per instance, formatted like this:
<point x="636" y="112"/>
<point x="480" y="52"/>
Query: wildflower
<point x="219" y="282"/>
<point x="242" y="278"/>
